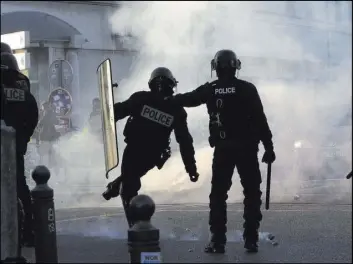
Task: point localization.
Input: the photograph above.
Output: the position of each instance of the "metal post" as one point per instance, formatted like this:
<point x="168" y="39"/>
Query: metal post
<point x="143" y="237"/>
<point x="44" y="217"/>
<point x="10" y="244"/>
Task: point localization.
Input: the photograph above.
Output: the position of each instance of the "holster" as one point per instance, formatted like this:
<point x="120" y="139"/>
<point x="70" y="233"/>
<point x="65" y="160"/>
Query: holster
<point x="165" y="155"/>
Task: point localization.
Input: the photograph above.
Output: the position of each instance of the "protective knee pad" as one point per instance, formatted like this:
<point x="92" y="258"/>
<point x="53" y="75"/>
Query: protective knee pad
<point x="218" y="196"/>
<point x="252" y="197"/>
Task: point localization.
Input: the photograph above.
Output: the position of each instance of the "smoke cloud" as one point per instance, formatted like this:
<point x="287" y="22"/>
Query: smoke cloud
<point x="303" y="111"/>
<point x="184" y="37"/>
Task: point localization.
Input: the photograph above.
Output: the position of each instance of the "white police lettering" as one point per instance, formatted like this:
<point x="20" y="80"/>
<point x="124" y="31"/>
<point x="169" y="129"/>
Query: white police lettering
<point x="157" y="116"/>
<point x="228" y="90"/>
<point x="13" y="94"/>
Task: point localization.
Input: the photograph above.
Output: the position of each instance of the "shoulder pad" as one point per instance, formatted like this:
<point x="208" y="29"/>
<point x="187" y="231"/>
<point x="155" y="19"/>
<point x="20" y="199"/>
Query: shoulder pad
<point x="213" y="83"/>
<point x="24" y="81"/>
<point x="139" y="94"/>
<point x="249" y="84"/>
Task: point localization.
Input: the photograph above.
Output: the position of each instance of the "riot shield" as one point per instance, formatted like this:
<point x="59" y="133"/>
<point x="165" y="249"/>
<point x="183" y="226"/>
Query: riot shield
<point x="106" y="94"/>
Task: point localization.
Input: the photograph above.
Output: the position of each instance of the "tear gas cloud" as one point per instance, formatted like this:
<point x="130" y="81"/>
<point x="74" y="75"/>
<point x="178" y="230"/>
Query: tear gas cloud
<point x="184" y="37"/>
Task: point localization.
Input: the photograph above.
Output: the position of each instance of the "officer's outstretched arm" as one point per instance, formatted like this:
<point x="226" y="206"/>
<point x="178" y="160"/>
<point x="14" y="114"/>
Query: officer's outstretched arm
<point x="124" y="109"/>
<point x="194" y="98"/>
<point x="184" y="138"/>
<point x="261" y="120"/>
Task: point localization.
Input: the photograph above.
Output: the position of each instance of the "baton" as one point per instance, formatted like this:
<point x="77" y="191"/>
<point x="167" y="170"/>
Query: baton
<point x="268" y="186"/>
<point x="349" y="175"/>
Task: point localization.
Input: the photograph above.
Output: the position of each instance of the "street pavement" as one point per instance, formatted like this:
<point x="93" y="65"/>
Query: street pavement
<point x="305" y="233"/>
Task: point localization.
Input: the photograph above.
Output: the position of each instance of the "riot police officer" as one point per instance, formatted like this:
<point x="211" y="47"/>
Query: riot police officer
<point x="21" y="112"/>
<point x="147" y="133"/>
<point x="237" y="124"/>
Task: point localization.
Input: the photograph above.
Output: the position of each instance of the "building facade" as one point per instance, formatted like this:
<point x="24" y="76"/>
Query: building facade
<point x="75" y="31"/>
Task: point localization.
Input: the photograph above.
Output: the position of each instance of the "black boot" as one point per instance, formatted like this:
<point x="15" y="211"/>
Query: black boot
<point x="251" y="246"/>
<point x="214" y="247"/>
<point x="113" y="189"/>
<point x="217" y="244"/>
<point x="250" y="241"/>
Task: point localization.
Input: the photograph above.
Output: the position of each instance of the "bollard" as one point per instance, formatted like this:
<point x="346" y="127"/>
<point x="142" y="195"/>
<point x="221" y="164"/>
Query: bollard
<point x="10" y="244"/>
<point x="44" y="217"/>
<point x="143" y="237"/>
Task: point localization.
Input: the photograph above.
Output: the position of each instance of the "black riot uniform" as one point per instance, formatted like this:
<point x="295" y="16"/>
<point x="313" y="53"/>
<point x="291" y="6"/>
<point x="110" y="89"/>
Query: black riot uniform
<point x="237" y="124"/>
<point x="147" y="134"/>
<point x="21" y="112"/>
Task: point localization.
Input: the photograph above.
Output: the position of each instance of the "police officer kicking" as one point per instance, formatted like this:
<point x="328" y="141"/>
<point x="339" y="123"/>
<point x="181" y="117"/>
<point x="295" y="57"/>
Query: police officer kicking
<point x="147" y="134"/>
<point x="237" y="123"/>
<point x="21" y="112"/>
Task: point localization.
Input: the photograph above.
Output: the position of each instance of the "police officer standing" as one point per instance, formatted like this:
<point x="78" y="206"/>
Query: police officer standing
<point x="237" y="123"/>
<point x="21" y="112"/>
<point x="147" y="132"/>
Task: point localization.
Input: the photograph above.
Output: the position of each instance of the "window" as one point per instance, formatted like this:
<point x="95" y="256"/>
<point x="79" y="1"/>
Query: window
<point x="319" y="10"/>
<point x="340" y="48"/>
<point x="271" y="7"/>
<point x="290" y="8"/>
<point x="342" y="11"/>
<point x="303" y="9"/>
<point x="338" y="11"/>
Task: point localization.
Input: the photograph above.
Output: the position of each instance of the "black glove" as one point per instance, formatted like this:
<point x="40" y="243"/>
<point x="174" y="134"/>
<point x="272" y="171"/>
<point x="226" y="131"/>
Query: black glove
<point x="194" y="176"/>
<point x="269" y="156"/>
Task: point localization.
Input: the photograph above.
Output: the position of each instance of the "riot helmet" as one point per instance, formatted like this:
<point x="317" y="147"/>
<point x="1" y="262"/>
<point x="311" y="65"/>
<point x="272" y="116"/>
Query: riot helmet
<point x="162" y="81"/>
<point x="225" y="63"/>
<point x="5" y="48"/>
<point x="10" y="66"/>
<point x="9" y="62"/>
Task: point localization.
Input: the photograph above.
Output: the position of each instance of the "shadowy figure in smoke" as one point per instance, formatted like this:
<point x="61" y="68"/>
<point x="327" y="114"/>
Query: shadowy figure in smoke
<point x="94" y="121"/>
<point x="147" y="134"/>
<point x="237" y="123"/>
<point x="47" y="135"/>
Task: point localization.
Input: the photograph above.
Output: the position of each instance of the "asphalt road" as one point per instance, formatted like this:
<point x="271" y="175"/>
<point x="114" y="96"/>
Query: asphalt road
<point x="305" y="233"/>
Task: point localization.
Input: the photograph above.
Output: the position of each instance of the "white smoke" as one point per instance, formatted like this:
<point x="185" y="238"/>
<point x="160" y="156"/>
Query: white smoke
<point x="184" y="36"/>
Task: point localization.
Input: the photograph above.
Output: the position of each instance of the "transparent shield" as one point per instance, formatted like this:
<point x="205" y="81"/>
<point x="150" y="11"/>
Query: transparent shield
<point x="106" y="95"/>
